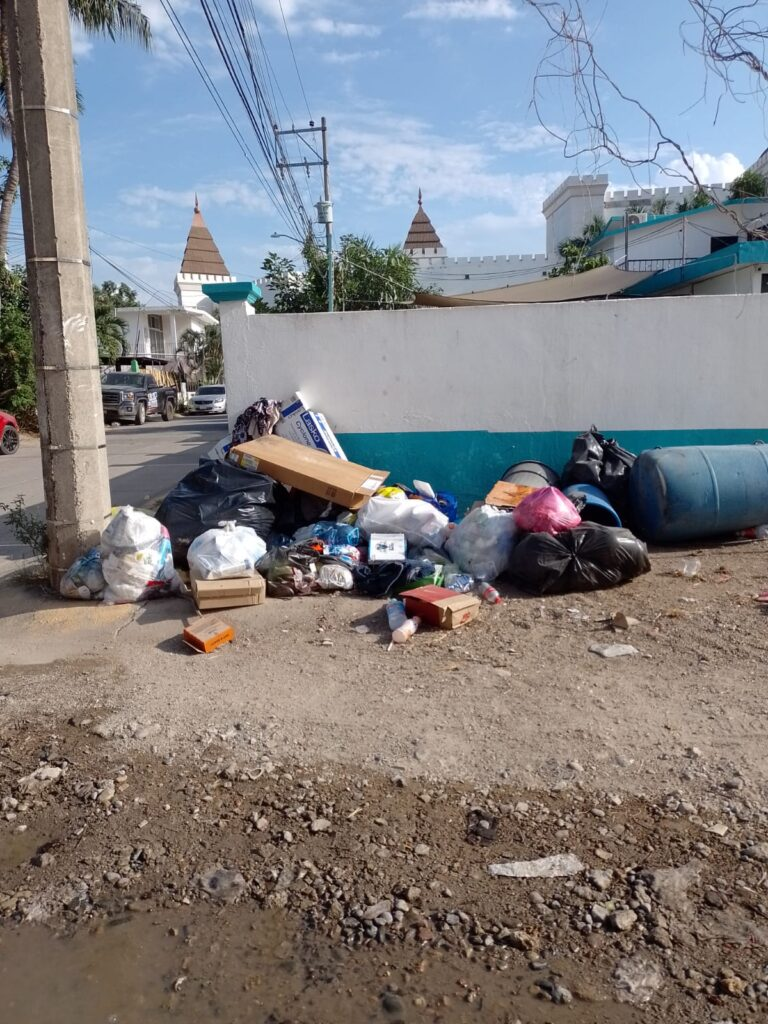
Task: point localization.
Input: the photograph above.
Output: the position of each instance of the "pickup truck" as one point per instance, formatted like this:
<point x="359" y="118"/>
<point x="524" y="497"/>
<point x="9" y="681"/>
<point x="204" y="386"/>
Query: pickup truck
<point x="131" y="397"/>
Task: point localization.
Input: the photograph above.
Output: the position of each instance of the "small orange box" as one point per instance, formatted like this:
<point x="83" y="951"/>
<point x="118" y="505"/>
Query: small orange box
<point x="506" y="495"/>
<point x="205" y="635"/>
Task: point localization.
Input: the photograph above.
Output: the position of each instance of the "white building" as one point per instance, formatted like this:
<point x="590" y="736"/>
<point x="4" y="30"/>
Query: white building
<point x="154" y="331"/>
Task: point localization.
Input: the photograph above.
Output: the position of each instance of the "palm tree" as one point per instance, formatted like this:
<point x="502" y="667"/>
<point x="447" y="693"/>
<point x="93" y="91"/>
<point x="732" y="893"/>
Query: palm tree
<point x="114" y="18"/>
<point x="110" y="332"/>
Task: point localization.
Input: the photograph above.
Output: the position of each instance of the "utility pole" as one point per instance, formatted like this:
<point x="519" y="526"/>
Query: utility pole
<point x="325" y="206"/>
<point x="74" y="455"/>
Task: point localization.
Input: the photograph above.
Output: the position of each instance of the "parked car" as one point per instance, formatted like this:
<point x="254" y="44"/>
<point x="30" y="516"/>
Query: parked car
<point x="9" y="434"/>
<point x="131" y="397"/>
<point x="209" y="398"/>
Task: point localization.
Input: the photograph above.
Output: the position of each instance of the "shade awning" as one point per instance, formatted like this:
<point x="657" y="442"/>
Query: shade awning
<point x="601" y="282"/>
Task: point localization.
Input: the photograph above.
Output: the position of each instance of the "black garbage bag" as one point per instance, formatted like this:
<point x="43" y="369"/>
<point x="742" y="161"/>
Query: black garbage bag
<point x="290" y="571"/>
<point x="378" y="579"/>
<point x="601" y="461"/>
<point x="302" y="509"/>
<point x="588" y="557"/>
<point x="213" y="493"/>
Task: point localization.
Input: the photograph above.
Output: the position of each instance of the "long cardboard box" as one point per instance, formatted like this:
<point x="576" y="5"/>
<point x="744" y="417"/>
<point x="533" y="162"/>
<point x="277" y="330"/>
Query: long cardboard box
<point x="300" y="424"/>
<point x="295" y="465"/>
<point x="241" y="592"/>
<point x="438" y="606"/>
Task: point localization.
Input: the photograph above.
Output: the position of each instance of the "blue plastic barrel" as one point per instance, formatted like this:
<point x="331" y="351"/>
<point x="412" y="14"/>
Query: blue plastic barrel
<point x="680" y="494"/>
<point x="596" y="506"/>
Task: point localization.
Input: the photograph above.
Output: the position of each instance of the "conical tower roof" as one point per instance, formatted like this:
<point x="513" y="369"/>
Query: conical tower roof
<point x="422" y="234"/>
<point x="201" y="255"/>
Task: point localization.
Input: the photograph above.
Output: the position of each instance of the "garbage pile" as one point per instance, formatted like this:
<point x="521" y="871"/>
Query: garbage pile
<point x="278" y="511"/>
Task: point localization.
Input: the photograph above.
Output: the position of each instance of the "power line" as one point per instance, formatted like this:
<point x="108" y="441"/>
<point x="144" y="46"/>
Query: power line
<point x="293" y="54"/>
<point x="229" y="120"/>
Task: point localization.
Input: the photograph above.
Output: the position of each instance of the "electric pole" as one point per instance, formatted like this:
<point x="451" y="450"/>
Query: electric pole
<point x="325" y="206"/>
<point x="47" y="139"/>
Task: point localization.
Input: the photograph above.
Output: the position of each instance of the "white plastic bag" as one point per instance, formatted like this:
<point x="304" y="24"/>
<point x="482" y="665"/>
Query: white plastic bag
<point x="335" y="577"/>
<point x="422" y="523"/>
<point x="224" y="553"/>
<point x="136" y="558"/>
<point x="482" y="542"/>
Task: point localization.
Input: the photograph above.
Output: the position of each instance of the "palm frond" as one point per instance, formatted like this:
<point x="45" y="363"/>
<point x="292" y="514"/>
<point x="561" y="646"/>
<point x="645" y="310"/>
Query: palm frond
<point x="113" y="18"/>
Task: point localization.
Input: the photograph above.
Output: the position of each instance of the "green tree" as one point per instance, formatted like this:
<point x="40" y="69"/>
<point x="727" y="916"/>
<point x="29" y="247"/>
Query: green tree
<point x="117" y="19"/>
<point x="110" y="328"/>
<point x="749" y="185"/>
<point x="575" y="253"/>
<point x="17" y="363"/>
<point x="699" y="200"/>
<point x="203" y="355"/>
<point x="365" y="277"/>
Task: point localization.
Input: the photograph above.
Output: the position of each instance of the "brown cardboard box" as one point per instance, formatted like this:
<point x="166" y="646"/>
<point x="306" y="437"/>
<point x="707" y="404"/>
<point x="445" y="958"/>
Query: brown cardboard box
<point x="205" y="635"/>
<point x="235" y="593"/>
<point x="438" y="606"/>
<point x="309" y="470"/>
<point x="504" y="495"/>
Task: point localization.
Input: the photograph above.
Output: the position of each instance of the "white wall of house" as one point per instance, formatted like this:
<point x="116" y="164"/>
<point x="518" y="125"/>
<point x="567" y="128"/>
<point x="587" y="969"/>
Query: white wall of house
<point x="741" y="280"/>
<point x="459" y="394"/>
<point x="155" y="331"/>
<point x="688" y="236"/>
<point x="189" y="290"/>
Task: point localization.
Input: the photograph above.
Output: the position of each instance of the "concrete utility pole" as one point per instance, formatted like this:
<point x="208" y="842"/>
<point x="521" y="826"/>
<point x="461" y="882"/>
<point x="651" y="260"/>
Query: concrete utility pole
<point x="325" y="206"/>
<point x="72" y="437"/>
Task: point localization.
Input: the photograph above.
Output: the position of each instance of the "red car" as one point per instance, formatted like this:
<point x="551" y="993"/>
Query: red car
<point x="9" y="434"/>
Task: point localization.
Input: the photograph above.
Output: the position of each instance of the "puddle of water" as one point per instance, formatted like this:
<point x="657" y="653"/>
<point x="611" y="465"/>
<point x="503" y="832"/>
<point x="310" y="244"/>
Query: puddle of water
<point x="241" y="966"/>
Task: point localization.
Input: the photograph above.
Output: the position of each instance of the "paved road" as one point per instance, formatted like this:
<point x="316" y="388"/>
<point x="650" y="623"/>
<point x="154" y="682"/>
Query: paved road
<point x="143" y="462"/>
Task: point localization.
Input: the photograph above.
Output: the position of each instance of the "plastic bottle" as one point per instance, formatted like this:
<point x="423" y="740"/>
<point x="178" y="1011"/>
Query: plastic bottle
<point x="754" y="533"/>
<point x="489" y="593"/>
<point x="406" y="631"/>
<point x="396" y="616"/>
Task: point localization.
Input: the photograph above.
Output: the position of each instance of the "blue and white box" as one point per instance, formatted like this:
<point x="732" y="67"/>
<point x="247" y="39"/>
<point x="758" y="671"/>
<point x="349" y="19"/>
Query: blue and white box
<point x="300" y="424"/>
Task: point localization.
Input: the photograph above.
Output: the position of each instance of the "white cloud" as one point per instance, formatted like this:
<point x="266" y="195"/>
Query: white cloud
<point x="152" y="198"/>
<point x="465" y="10"/>
<point x="709" y="169"/>
<point x="385" y="159"/>
<point x="81" y="44"/>
<point x="514" y="137"/>
<point x="316" y="16"/>
<point x="343" y="29"/>
<point x="352" y="57"/>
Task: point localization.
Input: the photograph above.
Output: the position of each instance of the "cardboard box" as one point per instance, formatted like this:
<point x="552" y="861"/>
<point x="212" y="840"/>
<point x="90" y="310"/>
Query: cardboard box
<point x="387" y="547"/>
<point x="504" y="495"/>
<point x="220" y="450"/>
<point x="205" y="635"/>
<point x="241" y="592"/>
<point x="438" y="606"/>
<point x="302" y="425"/>
<point x="306" y="469"/>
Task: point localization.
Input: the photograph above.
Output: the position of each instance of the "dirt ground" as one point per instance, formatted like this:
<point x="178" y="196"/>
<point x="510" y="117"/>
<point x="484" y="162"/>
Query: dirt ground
<point x="343" y="787"/>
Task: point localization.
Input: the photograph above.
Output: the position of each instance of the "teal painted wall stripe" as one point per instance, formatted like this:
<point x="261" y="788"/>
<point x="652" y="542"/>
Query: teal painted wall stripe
<point x="469" y="462"/>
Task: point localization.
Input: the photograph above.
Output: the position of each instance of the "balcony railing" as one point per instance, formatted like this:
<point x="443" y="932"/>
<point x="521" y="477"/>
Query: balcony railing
<point x="654" y="265"/>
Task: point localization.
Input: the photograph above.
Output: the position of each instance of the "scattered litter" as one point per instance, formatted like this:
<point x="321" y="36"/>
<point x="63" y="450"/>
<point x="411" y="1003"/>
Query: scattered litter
<point x="690" y="567"/>
<point x="621" y="621"/>
<point x="39" y="779"/>
<point x="638" y="979"/>
<point x="560" y="865"/>
<point x="223" y="884"/>
<point x="362" y="629"/>
<point x="481" y="826"/>
<point x="718" y="829"/>
<point x="614" y="650"/>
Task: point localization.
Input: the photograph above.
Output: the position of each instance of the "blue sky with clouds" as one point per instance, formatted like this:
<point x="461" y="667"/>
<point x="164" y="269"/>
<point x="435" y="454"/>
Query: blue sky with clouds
<point x="418" y="93"/>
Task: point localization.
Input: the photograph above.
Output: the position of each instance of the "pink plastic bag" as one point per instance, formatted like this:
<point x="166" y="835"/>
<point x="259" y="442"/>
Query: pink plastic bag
<point x="546" y="511"/>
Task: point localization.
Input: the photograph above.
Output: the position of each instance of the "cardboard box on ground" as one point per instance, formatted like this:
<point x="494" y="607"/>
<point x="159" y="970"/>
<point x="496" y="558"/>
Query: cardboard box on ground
<point x="438" y="606"/>
<point x="239" y="592"/>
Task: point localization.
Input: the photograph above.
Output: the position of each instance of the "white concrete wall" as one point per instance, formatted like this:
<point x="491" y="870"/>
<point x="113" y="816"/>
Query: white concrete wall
<point x="634" y="364"/>
<point x="459" y="275"/>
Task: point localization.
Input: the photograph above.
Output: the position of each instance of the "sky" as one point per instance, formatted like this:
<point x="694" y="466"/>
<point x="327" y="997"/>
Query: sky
<point x="430" y="94"/>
